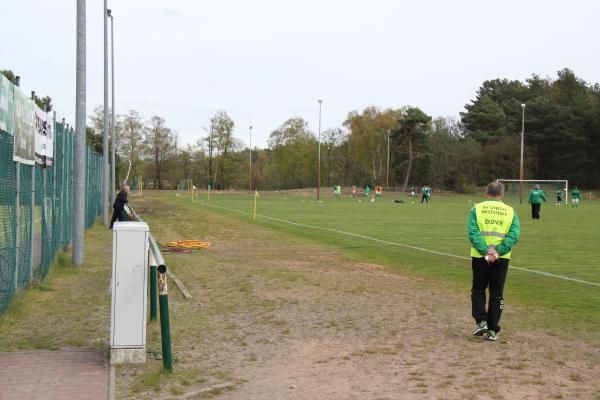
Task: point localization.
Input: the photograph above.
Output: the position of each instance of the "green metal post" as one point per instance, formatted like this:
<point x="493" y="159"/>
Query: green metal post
<point x="165" y="330"/>
<point x="153" y="289"/>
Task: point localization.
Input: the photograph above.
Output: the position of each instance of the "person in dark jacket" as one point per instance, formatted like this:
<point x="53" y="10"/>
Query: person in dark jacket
<point x="536" y="195"/>
<point x="119" y="212"/>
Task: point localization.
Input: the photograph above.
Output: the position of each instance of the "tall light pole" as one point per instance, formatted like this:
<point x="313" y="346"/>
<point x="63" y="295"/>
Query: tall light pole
<point x="112" y="126"/>
<point x="319" y="156"/>
<point x="250" y="174"/>
<point x="387" y="174"/>
<point x="105" y="166"/>
<point x="79" y="169"/>
<point x="522" y="146"/>
<point x="210" y="143"/>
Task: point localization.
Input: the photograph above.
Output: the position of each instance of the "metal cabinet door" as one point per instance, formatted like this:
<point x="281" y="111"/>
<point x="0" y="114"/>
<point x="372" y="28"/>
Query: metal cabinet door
<point x="129" y="289"/>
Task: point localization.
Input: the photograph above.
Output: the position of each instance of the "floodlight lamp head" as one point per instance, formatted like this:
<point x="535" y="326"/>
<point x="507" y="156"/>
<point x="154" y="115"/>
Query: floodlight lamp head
<point x="320" y="101"/>
<point x="522" y="105"/>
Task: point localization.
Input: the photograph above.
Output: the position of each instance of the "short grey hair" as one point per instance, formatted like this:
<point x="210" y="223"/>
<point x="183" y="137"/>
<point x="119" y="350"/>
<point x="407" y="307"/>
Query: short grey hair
<point x="494" y="189"/>
<point x="124" y="185"/>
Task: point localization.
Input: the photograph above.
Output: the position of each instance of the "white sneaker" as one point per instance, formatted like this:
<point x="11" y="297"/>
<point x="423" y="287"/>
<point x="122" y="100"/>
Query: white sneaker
<point x="480" y="329"/>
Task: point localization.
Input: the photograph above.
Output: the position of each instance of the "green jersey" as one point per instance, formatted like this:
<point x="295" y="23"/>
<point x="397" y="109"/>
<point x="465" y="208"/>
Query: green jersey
<point x="559" y="193"/>
<point x="575" y="193"/>
<point x="536" y="196"/>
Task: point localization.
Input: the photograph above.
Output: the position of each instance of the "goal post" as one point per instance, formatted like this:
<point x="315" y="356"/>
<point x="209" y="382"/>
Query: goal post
<point x="513" y="185"/>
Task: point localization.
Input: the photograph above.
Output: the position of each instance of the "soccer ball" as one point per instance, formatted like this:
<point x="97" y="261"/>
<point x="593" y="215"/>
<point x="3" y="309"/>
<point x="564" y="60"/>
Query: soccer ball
<point x="373" y="200"/>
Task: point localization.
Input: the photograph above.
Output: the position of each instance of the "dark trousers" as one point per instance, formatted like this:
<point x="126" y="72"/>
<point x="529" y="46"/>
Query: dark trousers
<point x="424" y="198"/>
<point x="118" y="213"/>
<point x="535" y="210"/>
<point x="490" y="276"/>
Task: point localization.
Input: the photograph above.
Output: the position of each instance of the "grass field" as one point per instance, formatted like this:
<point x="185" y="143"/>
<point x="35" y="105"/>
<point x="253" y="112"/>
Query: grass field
<point x="564" y="242"/>
<point x="287" y="312"/>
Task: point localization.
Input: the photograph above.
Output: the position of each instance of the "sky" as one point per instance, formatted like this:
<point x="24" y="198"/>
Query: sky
<point x="264" y="61"/>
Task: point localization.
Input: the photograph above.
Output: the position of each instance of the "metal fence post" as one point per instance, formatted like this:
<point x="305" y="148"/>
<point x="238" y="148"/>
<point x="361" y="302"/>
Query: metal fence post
<point x="165" y="330"/>
<point x="32" y="220"/>
<point x="17" y="212"/>
<point x="44" y="218"/>
<point x="32" y="224"/>
<point x="63" y="189"/>
<point x="54" y="238"/>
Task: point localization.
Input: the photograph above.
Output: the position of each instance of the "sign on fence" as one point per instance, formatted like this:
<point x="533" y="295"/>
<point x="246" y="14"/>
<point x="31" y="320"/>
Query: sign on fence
<point x="6" y="105"/>
<point x="24" y="128"/>
<point x="44" y="138"/>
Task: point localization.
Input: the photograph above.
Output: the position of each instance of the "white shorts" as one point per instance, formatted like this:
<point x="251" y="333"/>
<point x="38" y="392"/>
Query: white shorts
<point x="575" y="201"/>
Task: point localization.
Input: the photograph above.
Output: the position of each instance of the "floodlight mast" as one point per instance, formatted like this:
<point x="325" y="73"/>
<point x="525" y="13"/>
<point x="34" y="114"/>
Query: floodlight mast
<point x="319" y="156"/>
<point x="79" y="164"/>
<point x="250" y="173"/>
<point x="522" y="146"/>
<point x="105" y="123"/>
<point x="113" y="145"/>
<point x="387" y="173"/>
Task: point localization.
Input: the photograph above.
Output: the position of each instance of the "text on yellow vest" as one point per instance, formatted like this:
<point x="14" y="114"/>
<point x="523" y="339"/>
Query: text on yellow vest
<point x="494" y="219"/>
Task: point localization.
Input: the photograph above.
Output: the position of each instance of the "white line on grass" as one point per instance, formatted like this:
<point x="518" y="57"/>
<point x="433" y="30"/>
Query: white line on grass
<point x="440" y="253"/>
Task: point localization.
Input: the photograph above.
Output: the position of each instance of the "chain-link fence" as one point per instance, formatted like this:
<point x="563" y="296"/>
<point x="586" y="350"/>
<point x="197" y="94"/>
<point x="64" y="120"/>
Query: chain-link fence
<point x="36" y="212"/>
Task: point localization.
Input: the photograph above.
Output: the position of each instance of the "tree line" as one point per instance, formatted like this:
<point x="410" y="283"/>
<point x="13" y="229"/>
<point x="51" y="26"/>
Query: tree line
<point x="562" y="141"/>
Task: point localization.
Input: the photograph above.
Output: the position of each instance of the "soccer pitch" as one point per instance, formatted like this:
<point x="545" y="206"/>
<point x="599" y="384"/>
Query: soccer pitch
<point x="556" y="262"/>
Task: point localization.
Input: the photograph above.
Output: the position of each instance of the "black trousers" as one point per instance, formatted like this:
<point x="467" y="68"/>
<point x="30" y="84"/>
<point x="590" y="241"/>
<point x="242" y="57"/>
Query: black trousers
<point x="490" y="276"/>
<point x="424" y="198"/>
<point x="535" y="210"/>
<point x="119" y="214"/>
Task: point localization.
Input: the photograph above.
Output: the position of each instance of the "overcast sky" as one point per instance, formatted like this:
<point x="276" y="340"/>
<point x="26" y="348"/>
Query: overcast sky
<point x="264" y="61"/>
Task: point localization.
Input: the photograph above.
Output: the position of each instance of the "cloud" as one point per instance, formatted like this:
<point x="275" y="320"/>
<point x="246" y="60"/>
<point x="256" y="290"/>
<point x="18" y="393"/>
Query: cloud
<point x="170" y="12"/>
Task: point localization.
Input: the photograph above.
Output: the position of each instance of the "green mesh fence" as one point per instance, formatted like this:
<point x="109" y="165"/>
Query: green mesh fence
<point x="24" y="254"/>
<point x="7" y="219"/>
<point x="33" y="231"/>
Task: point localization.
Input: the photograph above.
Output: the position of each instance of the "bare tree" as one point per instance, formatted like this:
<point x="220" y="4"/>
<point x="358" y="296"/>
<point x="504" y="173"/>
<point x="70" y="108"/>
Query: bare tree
<point x="129" y="132"/>
<point x="160" y="144"/>
<point x="220" y="141"/>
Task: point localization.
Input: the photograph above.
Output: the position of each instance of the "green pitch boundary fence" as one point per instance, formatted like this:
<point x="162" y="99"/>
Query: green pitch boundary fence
<point x="36" y="211"/>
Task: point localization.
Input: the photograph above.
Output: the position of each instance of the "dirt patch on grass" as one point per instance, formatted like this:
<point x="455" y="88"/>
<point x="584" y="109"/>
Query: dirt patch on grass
<point x="279" y="317"/>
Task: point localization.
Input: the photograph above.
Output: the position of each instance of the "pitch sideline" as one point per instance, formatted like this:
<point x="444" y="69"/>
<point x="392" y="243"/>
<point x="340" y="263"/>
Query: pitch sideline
<point x="440" y="253"/>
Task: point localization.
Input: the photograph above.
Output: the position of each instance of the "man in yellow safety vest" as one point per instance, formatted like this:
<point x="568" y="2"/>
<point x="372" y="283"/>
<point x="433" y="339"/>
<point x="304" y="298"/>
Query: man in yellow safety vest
<point x="493" y="230"/>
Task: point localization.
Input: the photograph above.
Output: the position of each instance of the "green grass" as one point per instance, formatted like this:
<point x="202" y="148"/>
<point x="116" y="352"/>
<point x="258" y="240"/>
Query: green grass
<point x="564" y="242"/>
<point x="69" y="309"/>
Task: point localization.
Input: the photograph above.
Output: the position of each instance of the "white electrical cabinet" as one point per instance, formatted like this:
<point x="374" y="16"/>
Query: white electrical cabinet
<point x="129" y="292"/>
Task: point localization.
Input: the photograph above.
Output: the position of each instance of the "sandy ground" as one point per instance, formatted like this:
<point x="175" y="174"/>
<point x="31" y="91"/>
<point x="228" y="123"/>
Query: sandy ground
<point x="276" y="317"/>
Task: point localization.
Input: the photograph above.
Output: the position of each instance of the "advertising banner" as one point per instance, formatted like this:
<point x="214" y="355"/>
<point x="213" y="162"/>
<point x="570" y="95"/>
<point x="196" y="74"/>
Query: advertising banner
<point x="44" y="138"/>
<point x="24" y="128"/>
<point x="7" y="108"/>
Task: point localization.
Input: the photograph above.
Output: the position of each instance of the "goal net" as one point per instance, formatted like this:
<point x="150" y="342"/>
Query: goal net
<point x="185" y="185"/>
<point x="550" y="187"/>
<point x="137" y="185"/>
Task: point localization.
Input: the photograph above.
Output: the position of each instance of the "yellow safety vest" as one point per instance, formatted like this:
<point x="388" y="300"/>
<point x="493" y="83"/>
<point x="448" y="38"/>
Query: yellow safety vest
<point x="494" y="219"/>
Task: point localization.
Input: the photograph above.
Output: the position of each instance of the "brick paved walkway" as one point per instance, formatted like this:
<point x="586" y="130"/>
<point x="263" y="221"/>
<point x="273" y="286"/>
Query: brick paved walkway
<point x="54" y="375"/>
